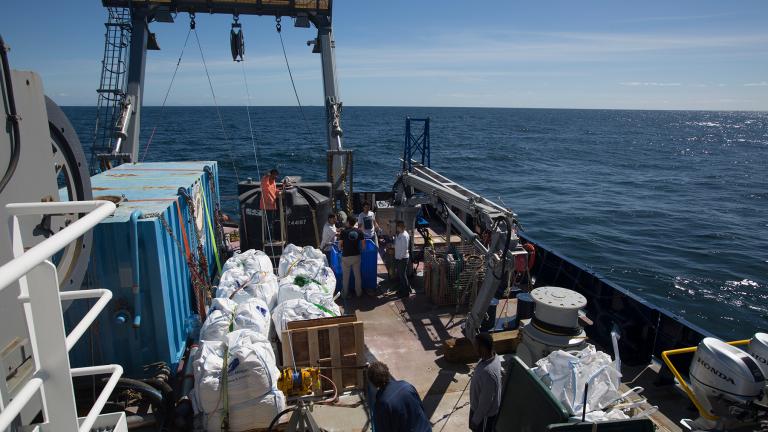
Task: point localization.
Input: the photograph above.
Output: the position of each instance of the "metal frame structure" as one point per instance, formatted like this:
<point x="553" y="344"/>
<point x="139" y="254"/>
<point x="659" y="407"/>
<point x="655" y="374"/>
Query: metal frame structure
<point x="316" y="12"/>
<point x="414" y="144"/>
<point x="448" y="197"/>
<point x="39" y="295"/>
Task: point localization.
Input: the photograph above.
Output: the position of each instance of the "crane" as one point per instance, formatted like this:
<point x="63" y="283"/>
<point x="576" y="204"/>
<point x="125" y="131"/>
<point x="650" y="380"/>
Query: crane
<point x="456" y="205"/>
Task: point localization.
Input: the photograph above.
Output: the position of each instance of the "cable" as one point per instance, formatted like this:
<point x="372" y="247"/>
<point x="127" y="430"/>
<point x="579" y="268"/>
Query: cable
<point x="12" y="117"/>
<point x="253" y="140"/>
<point x="216" y="104"/>
<point x="290" y="74"/>
<point x="168" y="92"/>
<point x="277" y="417"/>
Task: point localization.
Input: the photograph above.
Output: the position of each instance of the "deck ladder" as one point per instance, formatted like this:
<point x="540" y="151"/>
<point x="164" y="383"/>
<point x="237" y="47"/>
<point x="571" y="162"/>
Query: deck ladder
<point x="35" y="275"/>
<point x="114" y="66"/>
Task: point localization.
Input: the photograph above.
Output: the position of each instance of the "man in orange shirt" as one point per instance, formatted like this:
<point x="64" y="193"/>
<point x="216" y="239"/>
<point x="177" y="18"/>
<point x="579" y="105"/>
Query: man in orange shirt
<point x="269" y="191"/>
<point x="269" y="203"/>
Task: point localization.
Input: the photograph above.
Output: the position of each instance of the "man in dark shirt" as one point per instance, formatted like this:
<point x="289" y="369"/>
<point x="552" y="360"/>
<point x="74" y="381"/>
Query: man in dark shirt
<point x="398" y="406"/>
<point x="351" y="243"/>
<point x="485" y="387"/>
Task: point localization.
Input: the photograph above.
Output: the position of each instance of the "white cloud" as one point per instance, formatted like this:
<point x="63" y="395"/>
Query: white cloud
<point x="650" y="84"/>
<point x="757" y="84"/>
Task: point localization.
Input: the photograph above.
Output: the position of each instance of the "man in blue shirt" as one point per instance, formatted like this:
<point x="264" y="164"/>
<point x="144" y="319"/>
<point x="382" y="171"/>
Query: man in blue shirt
<point x="398" y="406"/>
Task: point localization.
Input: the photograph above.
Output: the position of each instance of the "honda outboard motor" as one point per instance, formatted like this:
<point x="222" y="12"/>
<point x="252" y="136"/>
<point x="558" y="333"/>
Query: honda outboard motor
<point x="758" y="348"/>
<point x="726" y="381"/>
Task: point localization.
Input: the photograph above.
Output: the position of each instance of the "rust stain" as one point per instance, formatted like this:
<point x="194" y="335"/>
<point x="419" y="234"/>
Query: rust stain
<point x="100" y="188"/>
<point x="122" y="175"/>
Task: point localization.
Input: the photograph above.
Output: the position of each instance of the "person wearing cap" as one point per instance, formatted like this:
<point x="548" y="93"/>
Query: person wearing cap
<point x="485" y="387"/>
<point x="398" y="407"/>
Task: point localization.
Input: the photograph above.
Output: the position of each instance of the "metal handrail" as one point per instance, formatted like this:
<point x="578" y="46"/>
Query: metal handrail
<point x="19" y="402"/>
<point x="23" y="263"/>
<point x="116" y="371"/>
<point x="104" y="296"/>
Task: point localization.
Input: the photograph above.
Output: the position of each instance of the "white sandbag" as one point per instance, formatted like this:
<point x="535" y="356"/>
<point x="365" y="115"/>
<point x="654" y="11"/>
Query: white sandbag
<point x="314" y="270"/>
<point x="260" y="285"/>
<point x="567" y="372"/>
<point x="295" y="287"/>
<point x="252" y="314"/>
<point x="251" y="371"/>
<point x="295" y="310"/>
<point x="249" y="261"/>
<point x="254" y="414"/>
<point x="293" y="255"/>
<point x="312" y="253"/>
<point x="322" y="300"/>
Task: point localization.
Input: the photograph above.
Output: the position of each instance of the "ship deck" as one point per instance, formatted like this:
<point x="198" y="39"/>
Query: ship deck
<point x="408" y="336"/>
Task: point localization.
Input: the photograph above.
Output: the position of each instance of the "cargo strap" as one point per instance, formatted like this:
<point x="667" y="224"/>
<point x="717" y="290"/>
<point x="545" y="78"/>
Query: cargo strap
<point x="196" y="280"/>
<point x="210" y="232"/>
<point x="232" y="317"/>
<point x="324" y="309"/>
<point x="225" y="389"/>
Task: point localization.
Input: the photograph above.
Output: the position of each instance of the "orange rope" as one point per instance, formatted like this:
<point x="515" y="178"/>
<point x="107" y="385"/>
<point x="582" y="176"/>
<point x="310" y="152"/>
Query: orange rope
<point x="198" y="294"/>
<point x="183" y="231"/>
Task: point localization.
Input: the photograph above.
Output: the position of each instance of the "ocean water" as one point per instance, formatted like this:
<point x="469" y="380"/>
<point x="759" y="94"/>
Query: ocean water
<point x="672" y="205"/>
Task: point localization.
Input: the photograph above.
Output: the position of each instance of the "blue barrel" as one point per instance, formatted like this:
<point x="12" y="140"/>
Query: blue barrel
<point x="369" y="265"/>
<point x="335" y="265"/>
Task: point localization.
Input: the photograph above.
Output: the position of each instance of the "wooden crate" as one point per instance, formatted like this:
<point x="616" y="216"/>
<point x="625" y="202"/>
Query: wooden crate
<point x="338" y="343"/>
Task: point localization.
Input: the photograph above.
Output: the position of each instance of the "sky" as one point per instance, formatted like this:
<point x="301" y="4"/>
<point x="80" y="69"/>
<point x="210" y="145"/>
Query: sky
<point x="685" y="54"/>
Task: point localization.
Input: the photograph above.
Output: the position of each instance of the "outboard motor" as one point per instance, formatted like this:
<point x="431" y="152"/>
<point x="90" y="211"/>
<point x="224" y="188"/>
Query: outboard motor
<point x="758" y="348"/>
<point x="726" y="381"/>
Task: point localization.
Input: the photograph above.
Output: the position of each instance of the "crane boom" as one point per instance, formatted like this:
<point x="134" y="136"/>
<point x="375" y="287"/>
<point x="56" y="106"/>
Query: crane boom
<point x="450" y="198"/>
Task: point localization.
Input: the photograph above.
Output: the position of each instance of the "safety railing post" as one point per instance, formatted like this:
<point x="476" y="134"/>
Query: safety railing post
<point x="48" y="345"/>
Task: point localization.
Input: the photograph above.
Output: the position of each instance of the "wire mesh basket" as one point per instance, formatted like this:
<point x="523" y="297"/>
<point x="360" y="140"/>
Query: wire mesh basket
<point x="452" y="274"/>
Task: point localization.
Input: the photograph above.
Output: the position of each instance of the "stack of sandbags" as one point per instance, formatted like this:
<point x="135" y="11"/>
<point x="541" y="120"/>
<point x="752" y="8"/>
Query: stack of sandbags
<point x="306" y="288"/>
<point x="261" y="285"/>
<point x="235" y="354"/>
<point x="297" y="310"/>
<point x="302" y="287"/>
<point x="227" y="315"/>
<point x="242" y="365"/>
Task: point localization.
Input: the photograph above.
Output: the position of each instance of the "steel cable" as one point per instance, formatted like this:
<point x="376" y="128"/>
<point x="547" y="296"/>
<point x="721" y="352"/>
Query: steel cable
<point x="167" y="93"/>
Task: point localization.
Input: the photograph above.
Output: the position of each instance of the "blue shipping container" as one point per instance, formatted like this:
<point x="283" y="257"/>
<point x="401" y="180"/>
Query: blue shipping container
<point x="148" y="324"/>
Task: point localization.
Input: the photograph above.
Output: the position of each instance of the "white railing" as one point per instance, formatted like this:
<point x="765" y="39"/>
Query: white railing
<point x="39" y="294"/>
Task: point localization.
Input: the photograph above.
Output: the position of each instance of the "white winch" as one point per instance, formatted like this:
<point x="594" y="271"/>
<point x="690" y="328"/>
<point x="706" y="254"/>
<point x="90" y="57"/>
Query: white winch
<point x="554" y="326"/>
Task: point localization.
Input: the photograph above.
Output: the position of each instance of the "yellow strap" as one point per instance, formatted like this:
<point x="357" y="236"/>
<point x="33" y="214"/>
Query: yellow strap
<point x="210" y="232"/>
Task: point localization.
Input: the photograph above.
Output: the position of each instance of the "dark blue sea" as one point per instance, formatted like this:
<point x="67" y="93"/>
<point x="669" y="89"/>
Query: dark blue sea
<point x="672" y="205"/>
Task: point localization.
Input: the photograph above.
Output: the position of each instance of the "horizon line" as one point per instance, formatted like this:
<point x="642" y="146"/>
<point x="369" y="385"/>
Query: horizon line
<point x="449" y="107"/>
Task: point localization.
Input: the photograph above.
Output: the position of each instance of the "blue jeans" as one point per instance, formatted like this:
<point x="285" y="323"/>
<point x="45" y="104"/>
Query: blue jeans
<point x="401" y="268"/>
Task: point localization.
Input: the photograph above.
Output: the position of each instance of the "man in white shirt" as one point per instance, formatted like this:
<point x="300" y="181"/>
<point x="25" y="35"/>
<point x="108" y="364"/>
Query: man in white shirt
<point x="366" y="221"/>
<point x="402" y="243"/>
<point x="329" y="235"/>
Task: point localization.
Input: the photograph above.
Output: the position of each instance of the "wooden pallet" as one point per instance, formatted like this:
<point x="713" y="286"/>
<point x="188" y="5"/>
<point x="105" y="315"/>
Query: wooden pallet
<point x="336" y="343"/>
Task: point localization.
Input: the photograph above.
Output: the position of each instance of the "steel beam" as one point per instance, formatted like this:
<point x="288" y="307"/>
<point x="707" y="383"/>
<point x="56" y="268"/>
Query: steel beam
<point x="135" y="82"/>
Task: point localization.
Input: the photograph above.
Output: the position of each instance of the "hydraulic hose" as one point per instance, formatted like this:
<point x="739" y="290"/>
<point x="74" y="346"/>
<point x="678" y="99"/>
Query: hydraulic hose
<point x="12" y="117"/>
<point x="277" y="417"/>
